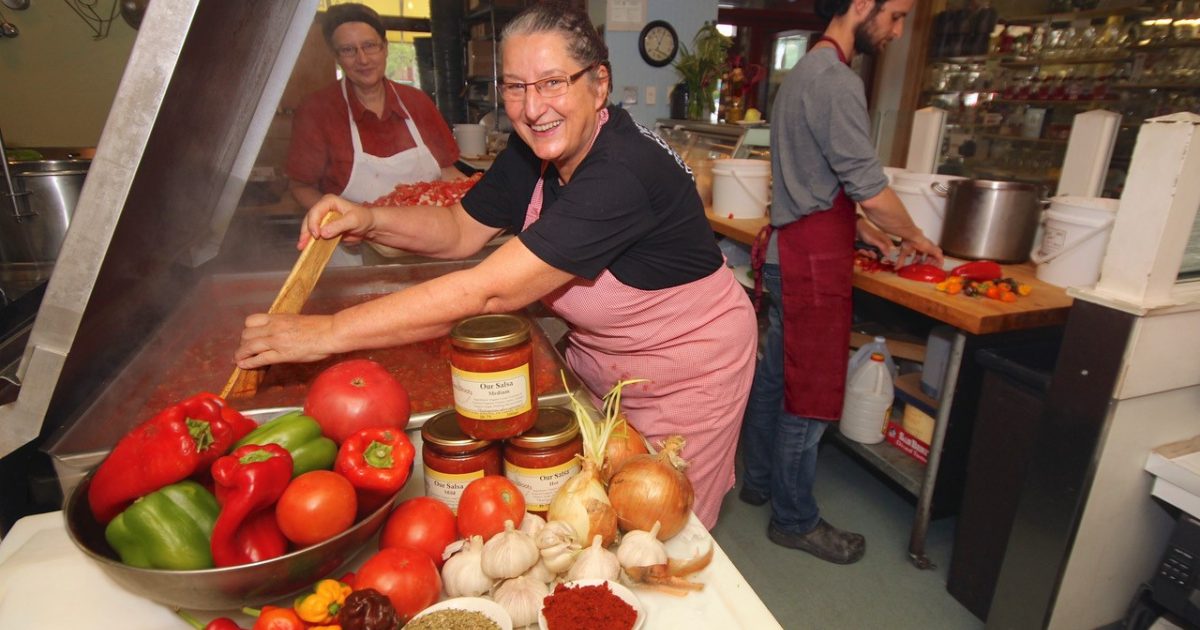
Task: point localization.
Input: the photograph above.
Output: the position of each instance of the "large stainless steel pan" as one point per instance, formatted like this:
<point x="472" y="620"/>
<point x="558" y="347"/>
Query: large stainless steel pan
<point x="993" y="220"/>
<point x="46" y="192"/>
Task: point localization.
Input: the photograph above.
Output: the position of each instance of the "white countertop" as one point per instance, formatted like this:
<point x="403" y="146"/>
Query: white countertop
<point x="47" y="582"/>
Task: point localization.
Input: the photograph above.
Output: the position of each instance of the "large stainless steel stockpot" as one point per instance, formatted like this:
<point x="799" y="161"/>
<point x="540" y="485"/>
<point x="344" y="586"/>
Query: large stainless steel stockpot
<point x="46" y="193"/>
<point x="993" y="220"/>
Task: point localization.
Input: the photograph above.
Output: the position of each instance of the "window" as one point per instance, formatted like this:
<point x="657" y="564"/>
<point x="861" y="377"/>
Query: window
<point x="406" y="21"/>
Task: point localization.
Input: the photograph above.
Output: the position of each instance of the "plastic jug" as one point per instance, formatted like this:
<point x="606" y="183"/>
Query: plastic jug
<point x="868" y="401"/>
<point x="860" y="356"/>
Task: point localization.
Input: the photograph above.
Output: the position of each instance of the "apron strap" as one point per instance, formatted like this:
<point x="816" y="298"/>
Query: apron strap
<point x="836" y="47"/>
<point x="758" y="257"/>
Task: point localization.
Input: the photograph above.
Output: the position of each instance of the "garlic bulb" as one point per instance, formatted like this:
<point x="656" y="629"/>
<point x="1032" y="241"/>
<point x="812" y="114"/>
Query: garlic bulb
<point x="541" y="573"/>
<point x="462" y="575"/>
<point x="560" y="557"/>
<point x="554" y="533"/>
<point x="532" y="524"/>
<point x="595" y="563"/>
<point x="509" y="553"/>
<point x="642" y="549"/>
<point x="522" y="598"/>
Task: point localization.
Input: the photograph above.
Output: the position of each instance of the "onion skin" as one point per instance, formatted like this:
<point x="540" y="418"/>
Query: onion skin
<point x="624" y="443"/>
<point x="582" y="504"/>
<point x="650" y="488"/>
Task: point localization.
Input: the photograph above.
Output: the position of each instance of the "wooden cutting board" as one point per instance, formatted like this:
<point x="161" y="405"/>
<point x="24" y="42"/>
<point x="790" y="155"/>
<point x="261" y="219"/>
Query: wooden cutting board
<point x="296" y="289"/>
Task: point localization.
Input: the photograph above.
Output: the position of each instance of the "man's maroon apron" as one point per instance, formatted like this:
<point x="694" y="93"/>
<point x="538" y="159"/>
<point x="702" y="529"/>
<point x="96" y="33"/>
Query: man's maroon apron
<point x="816" y="261"/>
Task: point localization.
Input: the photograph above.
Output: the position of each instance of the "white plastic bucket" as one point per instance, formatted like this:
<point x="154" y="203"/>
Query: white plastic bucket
<point x="1075" y="233"/>
<point x="741" y="188"/>
<point x="891" y="172"/>
<point x="926" y="207"/>
<point x="471" y="139"/>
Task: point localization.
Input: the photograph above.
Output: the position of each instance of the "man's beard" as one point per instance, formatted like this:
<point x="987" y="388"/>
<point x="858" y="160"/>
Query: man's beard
<point x="864" y="41"/>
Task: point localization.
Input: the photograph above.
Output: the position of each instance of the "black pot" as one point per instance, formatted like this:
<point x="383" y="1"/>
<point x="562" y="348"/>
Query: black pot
<point x="679" y="101"/>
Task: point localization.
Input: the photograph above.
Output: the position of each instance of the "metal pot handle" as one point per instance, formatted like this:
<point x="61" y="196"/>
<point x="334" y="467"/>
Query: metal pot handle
<point x="1037" y="257"/>
<point x="942" y="189"/>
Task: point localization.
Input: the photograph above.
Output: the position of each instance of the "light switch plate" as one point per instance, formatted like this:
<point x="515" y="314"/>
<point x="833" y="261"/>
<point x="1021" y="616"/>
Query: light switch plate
<point x="629" y="95"/>
<point x="651" y="94"/>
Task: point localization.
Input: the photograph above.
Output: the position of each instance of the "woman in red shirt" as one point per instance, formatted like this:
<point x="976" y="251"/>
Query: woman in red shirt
<point x="361" y="136"/>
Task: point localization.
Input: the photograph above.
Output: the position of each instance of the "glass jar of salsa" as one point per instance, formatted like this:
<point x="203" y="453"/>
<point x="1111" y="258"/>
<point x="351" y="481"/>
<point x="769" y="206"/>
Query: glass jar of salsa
<point x="453" y="459"/>
<point x="491" y="360"/>
<point x="542" y="459"/>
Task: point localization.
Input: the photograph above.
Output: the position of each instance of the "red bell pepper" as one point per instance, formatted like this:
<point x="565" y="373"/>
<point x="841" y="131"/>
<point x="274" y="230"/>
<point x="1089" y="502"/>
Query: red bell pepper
<point x="176" y="443"/>
<point x="979" y="270"/>
<point x="259" y="537"/>
<point x="377" y="462"/>
<point x="250" y="479"/>
<point x="922" y="272"/>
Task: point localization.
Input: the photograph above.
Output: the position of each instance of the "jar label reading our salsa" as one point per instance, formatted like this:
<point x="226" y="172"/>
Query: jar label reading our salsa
<point x="539" y="485"/>
<point x="448" y="488"/>
<point x="492" y="395"/>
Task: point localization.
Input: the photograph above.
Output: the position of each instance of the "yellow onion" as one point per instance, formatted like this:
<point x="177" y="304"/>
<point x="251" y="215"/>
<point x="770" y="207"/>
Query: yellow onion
<point x="582" y="503"/>
<point x="623" y="443"/>
<point x="651" y="488"/>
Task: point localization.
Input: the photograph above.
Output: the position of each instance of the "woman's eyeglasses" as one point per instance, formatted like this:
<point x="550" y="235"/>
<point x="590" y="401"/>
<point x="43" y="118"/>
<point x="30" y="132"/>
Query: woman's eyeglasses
<point x="368" y="48"/>
<point x="548" y="87"/>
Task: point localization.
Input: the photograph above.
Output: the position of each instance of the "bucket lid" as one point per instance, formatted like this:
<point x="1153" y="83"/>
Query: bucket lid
<point x="1097" y="204"/>
<point x="742" y="166"/>
<point x="924" y="179"/>
<point x="1078" y="218"/>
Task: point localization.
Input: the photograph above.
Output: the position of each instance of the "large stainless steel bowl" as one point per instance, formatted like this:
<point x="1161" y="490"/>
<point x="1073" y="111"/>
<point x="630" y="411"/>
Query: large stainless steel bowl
<point x="226" y="588"/>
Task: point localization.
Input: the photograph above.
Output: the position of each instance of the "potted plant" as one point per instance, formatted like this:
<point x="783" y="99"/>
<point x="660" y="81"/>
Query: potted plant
<point x="701" y="66"/>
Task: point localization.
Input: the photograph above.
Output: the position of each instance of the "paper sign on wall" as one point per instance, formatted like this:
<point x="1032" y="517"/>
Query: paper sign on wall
<point x="625" y="15"/>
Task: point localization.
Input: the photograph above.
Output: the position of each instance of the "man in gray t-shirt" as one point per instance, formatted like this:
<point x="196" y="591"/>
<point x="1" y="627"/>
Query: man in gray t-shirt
<point x="823" y="163"/>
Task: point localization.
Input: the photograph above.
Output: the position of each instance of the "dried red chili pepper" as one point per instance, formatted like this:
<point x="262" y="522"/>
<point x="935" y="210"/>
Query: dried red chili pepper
<point x="594" y="607"/>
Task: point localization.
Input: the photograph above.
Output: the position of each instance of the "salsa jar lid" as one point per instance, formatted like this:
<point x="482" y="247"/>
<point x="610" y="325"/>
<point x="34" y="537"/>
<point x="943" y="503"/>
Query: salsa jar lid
<point x="554" y="426"/>
<point x="443" y="432"/>
<point x="490" y="332"/>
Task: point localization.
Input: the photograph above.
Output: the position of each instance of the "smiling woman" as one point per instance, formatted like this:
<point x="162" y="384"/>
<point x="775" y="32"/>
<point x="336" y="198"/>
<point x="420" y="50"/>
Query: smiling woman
<point x="611" y="236"/>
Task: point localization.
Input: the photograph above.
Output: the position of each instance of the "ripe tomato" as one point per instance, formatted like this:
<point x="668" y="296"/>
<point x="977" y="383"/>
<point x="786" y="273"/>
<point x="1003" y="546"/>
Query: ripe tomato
<point x="406" y="576"/>
<point x="316" y="506"/>
<point x="353" y="395"/>
<point x="421" y="523"/>
<point x="486" y="503"/>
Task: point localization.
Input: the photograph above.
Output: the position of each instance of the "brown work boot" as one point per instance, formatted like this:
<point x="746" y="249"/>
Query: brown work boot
<point x="824" y="541"/>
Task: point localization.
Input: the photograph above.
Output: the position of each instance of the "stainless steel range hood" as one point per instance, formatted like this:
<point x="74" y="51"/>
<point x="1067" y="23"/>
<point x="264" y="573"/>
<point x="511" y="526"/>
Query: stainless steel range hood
<point x="199" y="91"/>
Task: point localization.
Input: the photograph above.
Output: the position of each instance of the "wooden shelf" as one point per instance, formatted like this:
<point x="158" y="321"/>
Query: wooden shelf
<point x="1071" y="16"/>
<point x="997" y="136"/>
<point x="1020" y="101"/>
<point x="1193" y="43"/>
<point x="1029" y="63"/>
<point x="1156" y="86"/>
<point x="889" y="460"/>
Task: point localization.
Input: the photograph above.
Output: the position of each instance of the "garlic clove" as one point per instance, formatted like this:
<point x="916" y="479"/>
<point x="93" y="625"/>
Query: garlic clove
<point x="642" y="549"/>
<point x="532" y="524"/>
<point x="522" y="598"/>
<point x="462" y="575"/>
<point x="595" y="562"/>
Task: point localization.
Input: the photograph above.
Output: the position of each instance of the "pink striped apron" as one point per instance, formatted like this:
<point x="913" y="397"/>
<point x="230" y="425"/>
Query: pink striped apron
<point x="696" y="343"/>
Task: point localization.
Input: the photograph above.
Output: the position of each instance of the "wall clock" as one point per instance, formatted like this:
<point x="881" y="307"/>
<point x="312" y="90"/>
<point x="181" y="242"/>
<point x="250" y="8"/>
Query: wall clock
<point x="658" y="43"/>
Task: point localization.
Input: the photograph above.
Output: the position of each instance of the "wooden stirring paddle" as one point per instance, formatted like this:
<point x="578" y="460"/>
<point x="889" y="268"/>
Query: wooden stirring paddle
<point x="291" y="298"/>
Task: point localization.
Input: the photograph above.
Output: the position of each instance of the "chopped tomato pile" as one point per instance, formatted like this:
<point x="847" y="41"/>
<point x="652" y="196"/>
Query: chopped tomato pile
<point x="1004" y="289"/>
<point x="435" y="193"/>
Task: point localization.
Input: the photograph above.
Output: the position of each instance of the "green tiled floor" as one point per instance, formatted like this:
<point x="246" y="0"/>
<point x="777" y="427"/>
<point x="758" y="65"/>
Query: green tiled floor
<point x="883" y="590"/>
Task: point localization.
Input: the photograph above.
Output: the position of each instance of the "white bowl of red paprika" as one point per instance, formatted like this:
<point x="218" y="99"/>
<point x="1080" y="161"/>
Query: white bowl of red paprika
<point x="223" y="588"/>
<point x="592" y="604"/>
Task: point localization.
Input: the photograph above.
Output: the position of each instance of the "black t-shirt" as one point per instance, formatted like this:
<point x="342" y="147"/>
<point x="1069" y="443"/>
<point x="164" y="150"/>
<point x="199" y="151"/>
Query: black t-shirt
<point x="631" y="208"/>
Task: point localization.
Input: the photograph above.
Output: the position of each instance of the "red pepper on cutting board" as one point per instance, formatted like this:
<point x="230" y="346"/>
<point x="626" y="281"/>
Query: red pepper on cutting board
<point x="922" y="272"/>
<point x="171" y="446"/>
<point x="377" y="462"/>
<point x="248" y="480"/>
<point x="980" y="270"/>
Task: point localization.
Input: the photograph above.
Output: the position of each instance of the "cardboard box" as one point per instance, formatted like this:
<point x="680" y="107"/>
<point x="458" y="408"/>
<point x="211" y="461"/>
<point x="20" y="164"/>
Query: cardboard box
<point x="480" y="56"/>
<point x="911" y="446"/>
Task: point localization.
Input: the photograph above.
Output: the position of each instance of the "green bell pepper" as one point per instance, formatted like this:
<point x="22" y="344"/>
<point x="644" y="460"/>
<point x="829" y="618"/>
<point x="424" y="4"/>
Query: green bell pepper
<point x="166" y="529"/>
<point x="301" y="436"/>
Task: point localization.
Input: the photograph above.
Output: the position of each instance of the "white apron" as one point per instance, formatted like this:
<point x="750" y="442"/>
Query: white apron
<point x="372" y="176"/>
